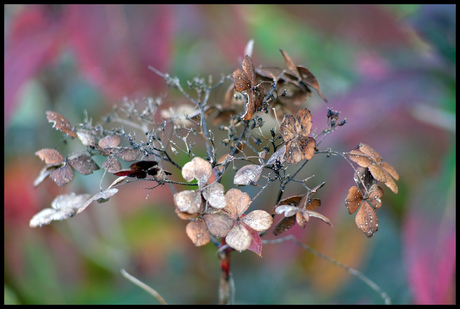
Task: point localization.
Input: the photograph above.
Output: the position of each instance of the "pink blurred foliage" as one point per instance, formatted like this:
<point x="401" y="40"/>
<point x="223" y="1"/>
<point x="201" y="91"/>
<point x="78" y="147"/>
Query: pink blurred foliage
<point x="112" y="45"/>
<point x="347" y="21"/>
<point x="430" y="249"/>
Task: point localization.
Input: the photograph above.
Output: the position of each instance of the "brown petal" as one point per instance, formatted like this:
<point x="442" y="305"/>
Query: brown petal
<point x="129" y="155"/>
<point x="307" y="147"/>
<point x="390" y="183"/>
<point x="293" y="152"/>
<point x="237" y="202"/>
<point x="241" y="80"/>
<point x="109" y="141"/>
<point x="301" y="219"/>
<point x="62" y="175"/>
<point x="353" y="200"/>
<point x="375" y="193"/>
<point x="290" y="64"/>
<point x="196" y="230"/>
<point x="304" y="119"/>
<point x="83" y="164"/>
<point x="377" y="172"/>
<point x="308" y="78"/>
<point x="288" y="128"/>
<point x="111" y="165"/>
<point x="219" y="224"/>
<point x="360" y="158"/>
<point x="314" y="203"/>
<point x="366" y="219"/>
<point x="390" y="169"/>
<point x="60" y="123"/>
<point x="248" y="68"/>
<point x="366" y="149"/>
<point x="50" y="156"/>
<point x="285" y="224"/>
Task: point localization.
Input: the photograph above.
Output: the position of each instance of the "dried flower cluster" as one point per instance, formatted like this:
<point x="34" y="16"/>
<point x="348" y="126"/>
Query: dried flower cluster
<point x="239" y="140"/>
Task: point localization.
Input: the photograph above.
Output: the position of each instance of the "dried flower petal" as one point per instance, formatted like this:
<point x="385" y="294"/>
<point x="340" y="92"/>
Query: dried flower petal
<point x="285" y="224"/>
<point x="86" y="138"/>
<point x="60" y="123"/>
<point x="50" y="156"/>
<point x="295" y="131"/>
<point x="237" y="202"/>
<point x="63" y="207"/>
<point x="248" y="175"/>
<point x="188" y="201"/>
<point x="196" y="230"/>
<point x="62" y="175"/>
<point x="366" y="219"/>
<point x="111" y="165"/>
<point x="244" y="79"/>
<point x="110" y="141"/>
<point x="83" y="164"/>
<point x="219" y="224"/>
<point x="129" y="154"/>
<point x="214" y="194"/>
<point x="258" y="220"/>
<point x="198" y="169"/>
<point x="365" y="156"/>
<point x="239" y="238"/>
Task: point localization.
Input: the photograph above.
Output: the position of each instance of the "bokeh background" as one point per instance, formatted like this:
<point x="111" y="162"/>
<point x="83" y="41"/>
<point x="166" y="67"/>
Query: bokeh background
<point x="389" y="69"/>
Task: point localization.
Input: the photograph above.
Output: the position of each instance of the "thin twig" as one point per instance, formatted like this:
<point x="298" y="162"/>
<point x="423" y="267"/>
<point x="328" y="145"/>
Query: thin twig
<point x="143" y="286"/>
<point x="350" y="270"/>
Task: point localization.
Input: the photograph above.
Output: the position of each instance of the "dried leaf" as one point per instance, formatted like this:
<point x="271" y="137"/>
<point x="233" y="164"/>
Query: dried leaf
<point x="245" y="79"/>
<point x="353" y="200"/>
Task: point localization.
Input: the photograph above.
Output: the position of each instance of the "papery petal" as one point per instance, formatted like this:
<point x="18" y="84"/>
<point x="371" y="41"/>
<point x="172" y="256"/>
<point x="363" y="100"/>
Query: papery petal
<point x="239" y="238"/>
<point x="258" y="220"/>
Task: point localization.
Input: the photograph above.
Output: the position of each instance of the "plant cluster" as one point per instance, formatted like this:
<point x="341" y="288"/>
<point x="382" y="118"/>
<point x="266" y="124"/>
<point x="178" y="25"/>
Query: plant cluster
<point x="241" y="130"/>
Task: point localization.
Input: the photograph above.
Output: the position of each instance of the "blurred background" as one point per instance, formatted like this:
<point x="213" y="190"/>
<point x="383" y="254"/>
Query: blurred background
<point x="389" y="69"/>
